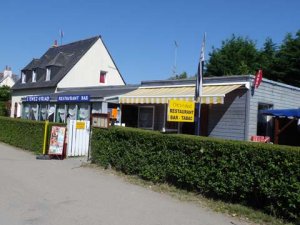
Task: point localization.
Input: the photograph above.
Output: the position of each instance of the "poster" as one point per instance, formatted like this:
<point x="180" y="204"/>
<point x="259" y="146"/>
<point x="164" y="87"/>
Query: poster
<point x="57" y="139"/>
<point x="181" y="111"/>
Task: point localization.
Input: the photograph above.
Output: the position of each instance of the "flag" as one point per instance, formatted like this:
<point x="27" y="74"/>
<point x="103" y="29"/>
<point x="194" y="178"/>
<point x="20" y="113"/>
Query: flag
<point x="198" y="91"/>
<point x="61" y="33"/>
<point x="258" y="79"/>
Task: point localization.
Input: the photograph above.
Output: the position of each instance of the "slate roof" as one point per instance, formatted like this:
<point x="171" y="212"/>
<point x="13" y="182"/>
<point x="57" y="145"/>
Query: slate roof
<point x="62" y="58"/>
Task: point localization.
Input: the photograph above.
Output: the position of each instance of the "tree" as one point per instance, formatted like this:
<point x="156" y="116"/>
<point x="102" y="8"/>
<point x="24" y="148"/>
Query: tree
<point x="236" y="56"/>
<point x="268" y="58"/>
<point x="287" y="64"/>
<point x="4" y="93"/>
<point x="181" y="76"/>
<point x="4" y="97"/>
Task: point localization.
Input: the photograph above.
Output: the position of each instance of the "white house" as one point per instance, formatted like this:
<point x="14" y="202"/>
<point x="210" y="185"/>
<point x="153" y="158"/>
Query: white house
<point x="7" y="78"/>
<point x="81" y="64"/>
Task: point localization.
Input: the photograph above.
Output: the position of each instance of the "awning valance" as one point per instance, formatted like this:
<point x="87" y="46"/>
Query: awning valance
<point x="295" y="113"/>
<point x="211" y="94"/>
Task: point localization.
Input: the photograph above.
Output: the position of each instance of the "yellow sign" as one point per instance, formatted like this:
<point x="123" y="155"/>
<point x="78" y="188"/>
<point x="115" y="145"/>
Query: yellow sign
<point x="80" y="125"/>
<point x="181" y="111"/>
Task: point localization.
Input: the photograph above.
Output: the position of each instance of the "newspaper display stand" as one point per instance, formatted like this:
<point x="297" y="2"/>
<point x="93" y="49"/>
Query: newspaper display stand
<point x="101" y="120"/>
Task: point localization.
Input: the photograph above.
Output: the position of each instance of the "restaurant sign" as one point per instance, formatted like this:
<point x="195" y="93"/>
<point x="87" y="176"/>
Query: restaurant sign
<point x="42" y="98"/>
<point x="73" y="98"/>
<point x="181" y="111"/>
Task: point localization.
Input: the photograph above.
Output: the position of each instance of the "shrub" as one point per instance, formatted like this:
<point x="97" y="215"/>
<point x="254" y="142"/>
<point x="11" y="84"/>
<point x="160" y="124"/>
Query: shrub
<point x="25" y="134"/>
<point x="260" y="175"/>
<point x="3" y="110"/>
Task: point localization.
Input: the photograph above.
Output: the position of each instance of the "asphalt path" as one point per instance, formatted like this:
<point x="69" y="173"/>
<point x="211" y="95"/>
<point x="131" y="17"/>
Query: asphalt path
<point x="62" y="192"/>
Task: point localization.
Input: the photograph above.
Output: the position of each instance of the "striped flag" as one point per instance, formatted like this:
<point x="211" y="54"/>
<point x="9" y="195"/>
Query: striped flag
<point x="258" y="78"/>
<point x="199" y="79"/>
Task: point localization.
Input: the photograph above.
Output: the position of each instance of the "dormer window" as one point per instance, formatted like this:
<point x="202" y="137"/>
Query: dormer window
<point x="102" y="77"/>
<point x="48" y="74"/>
<point x="33" y="75"/>
<point x="23" y="78"/>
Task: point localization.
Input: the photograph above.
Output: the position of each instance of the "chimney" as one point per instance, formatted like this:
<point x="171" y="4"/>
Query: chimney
<point x="55" y="44"/>
<point x="7" y="72"/>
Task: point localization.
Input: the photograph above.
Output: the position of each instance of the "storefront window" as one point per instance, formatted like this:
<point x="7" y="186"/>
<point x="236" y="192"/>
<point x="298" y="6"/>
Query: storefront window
<point x="25" y="113"/>
<point x="43" y="112"/>
<point x="146" y="117"/>
<point x="51" y="112"/>
<point x="33" y="111"/>
<point x="96" y="107"/>
<point x="61" y="114"/>
<point x="84" y="111"/>
<point x="72" y="112"/>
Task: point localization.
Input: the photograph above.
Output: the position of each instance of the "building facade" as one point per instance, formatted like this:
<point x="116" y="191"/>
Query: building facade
<point x="81" y="64"/>
<point x="7" y="78"/>
<point x="230" y="106"/>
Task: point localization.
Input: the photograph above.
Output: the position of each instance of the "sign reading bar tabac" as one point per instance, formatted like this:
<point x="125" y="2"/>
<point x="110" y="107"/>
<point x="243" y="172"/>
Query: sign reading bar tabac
<point x="181" y="111"/>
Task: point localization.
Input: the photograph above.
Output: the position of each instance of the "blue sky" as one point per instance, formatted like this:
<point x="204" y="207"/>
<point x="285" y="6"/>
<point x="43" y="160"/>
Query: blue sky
<point x="140" y="35"/>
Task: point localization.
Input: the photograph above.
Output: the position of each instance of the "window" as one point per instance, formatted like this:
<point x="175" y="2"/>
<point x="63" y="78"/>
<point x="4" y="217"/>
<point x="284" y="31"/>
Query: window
<point x="33" y="76"/>
<point x="264" y="123"/>
<point x="48" y="74"/>
<point x="102" y="77"/>
<point x="23" y="78"/>
<point x="146" y="117"/>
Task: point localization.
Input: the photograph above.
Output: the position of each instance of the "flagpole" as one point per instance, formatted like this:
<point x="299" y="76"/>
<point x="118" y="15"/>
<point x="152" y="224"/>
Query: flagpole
<point x="61" y="34"/>
<point x="198" y="91"/>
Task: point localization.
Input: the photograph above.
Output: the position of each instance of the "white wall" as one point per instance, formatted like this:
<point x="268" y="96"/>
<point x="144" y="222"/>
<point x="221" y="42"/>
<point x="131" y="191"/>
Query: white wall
<point x="8" y="81"/>
<point x="87" y="71"/>
<point x="18" y="95"/>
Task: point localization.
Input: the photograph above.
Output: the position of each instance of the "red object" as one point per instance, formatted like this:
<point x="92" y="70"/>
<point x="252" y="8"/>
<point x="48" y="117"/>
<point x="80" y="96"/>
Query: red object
<point x="263" y="139"/>
<point x="258" y="78"/>
<point x="102" y="77"/>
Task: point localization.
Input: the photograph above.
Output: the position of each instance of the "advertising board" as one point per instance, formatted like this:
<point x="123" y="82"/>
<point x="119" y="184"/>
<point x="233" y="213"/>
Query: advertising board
<point x="181" y="111"/>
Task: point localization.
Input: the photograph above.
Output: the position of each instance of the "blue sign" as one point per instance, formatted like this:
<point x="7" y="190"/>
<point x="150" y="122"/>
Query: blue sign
<point x="73" y="98"/>
<point x="44" y="98"/>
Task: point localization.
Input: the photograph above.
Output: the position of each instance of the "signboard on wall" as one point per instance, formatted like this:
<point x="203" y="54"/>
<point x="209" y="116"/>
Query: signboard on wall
<point x="57" y="140"/>
<point x="80" y="125"/>
<point x="181" y="111"/>
<point x="37" y="98"/>
<point x="73" y="98"/>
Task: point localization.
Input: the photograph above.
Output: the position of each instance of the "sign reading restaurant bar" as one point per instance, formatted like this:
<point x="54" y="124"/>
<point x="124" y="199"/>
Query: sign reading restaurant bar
<point x="73" y="98"/>
<point x="181" y="111"/>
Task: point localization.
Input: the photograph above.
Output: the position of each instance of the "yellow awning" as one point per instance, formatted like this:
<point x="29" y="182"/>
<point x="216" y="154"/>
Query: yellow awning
<point x="211" y="94"/>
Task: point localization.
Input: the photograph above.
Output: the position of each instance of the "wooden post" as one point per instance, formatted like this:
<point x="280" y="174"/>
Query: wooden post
<point x="276" y="135"/>
<point x="45" y="136"/>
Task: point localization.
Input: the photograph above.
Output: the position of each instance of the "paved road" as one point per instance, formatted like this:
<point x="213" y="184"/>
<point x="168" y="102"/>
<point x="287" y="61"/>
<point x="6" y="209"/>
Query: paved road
<point x="54" y="192"/>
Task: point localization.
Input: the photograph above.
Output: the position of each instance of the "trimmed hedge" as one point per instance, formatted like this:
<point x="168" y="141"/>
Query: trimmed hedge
<point x="25" y="134"/>
<point x="263" y="176"/>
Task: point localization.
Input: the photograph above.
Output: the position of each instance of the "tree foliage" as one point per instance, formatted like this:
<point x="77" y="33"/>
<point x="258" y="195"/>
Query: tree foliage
<point x="181" y="76"/>
<point x="4" y="98"/>
<point x="287" y="61"/>
<point x="4" y="93"/>
<point x="239" y="55"/>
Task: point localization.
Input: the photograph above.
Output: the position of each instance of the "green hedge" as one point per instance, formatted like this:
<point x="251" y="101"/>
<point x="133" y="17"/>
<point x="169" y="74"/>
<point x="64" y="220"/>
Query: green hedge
<point x="260" y="175"/>
<point x="25" y="134"/>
